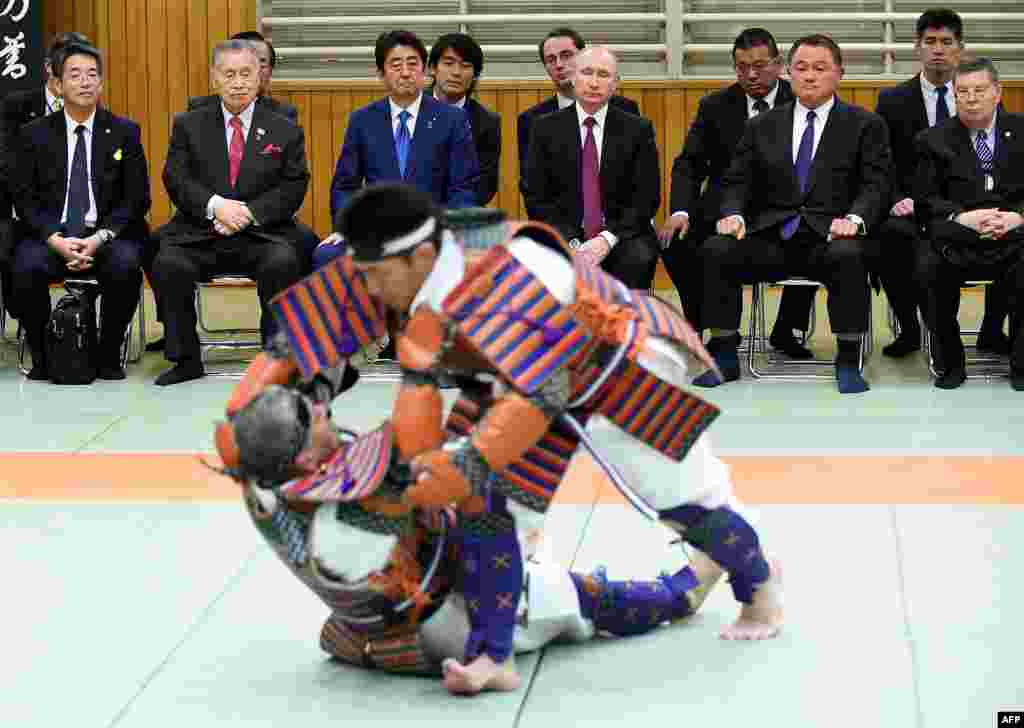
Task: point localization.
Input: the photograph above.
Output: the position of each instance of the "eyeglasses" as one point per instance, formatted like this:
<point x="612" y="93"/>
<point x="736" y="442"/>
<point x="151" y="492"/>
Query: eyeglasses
<point x="564" y="57"/>
<point x="973" y="93"/>
<point x="760" y="67"/>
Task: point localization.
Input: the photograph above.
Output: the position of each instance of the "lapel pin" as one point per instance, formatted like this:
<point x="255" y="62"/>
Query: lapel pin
<point x="107" y="130"/>
<point x="260" y="131"/>
<point x="1007" y="134"/>
<point x="118" y="155"/>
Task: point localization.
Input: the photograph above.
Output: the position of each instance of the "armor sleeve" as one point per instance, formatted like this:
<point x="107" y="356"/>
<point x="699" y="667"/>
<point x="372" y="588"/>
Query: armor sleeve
<point x="418" y="414"/>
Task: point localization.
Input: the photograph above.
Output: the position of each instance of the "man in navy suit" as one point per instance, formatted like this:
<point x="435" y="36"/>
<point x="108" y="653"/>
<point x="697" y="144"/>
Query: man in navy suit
<point x="558" y="52"/>
<point x="81" y="189"/>
<point x="807" y="182"/>
<point x="969" y="195"/>
<point x="908" y="108"/>
<point x="407" y="137"/>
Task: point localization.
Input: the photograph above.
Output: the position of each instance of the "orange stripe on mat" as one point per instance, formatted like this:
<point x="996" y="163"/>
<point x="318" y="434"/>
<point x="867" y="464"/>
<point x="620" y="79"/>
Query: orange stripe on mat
<point x="163" y="477"/>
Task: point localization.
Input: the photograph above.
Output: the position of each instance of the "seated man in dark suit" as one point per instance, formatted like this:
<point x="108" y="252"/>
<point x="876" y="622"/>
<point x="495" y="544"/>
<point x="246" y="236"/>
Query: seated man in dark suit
<point x="406" y="137"/>
<point x="237" y="174"/>
<point x="706" y="154"/>
<point x="456" y="61"/>
<point x="17" y="109"/>
<point x="969" y="195"/>
<point x="806" y="183"/>
<point x="908" y="108"/>
<point x="82" y="192"/>
<point x="558" y="52"/>
<point x="593" y="175"/>
<point x="268" y="59"/>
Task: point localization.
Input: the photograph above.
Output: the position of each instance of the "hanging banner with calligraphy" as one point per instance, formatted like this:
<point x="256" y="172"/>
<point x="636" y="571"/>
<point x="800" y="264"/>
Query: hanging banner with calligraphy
<point x="21" y="45"/>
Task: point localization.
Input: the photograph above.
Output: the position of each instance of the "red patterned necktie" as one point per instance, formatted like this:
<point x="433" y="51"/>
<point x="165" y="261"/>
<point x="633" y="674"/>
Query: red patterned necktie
<point x="590" y="184"/>
<point x="236" y="150"/>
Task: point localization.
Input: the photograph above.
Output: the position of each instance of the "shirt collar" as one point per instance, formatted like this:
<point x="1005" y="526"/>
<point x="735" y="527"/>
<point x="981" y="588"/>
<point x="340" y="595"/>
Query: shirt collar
<point x="564" y="102"/>
<point x="820" y="113"/>
<point x="444" y="276"/>
<point x="599" y="115"/>
<point x="990" y="130"/>
<point x="72" y="124"/>
<point x="413" y="108"/>
<point x="461" y="103"/>
<point x="927" y="87"/>
<point x="769" y="98"/>
<point x="245" y="116"/>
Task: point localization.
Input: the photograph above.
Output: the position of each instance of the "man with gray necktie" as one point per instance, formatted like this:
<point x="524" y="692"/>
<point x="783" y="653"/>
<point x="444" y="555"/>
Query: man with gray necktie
<point x="807" y="182"/>
<point x="969" y="196"/>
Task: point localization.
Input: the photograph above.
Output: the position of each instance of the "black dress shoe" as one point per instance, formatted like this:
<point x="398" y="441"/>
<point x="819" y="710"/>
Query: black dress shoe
<point x="906" y="343"/>
<point x="788" y="345"/>
<point x="38" y="373"/>
<point x="183" y="371"/>
<point x="158" y="345"/>
<point x="951" y="378"/>
<point x="995" y="344"/>
<point x="112" y="372"/>
<point x="1017" y="380"/>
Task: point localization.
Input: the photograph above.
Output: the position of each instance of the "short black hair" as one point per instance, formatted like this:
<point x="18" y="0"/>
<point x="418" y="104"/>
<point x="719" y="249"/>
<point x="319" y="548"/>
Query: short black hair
<point x="76" y="49"/>
<point x="978" y="64"/>
<point x="464" y="45"/>
<point x="817" y="40"/>
<point x="940" y="18"/>
<point x="258" y="37"/>
<point x="59" y="43"/>
<point x="394" y="38"/>
<point x="753" y="37"/>
<point x="563" y="32"/>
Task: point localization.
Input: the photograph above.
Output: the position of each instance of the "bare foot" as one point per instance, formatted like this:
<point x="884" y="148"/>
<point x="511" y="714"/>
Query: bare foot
<point x="483" y="673"/>
<point x="761" y="619"/>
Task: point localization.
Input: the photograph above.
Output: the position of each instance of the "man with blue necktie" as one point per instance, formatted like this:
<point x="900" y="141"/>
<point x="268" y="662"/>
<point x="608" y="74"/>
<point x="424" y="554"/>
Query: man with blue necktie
<point x="407" y="137"/>
<point x="807" y="182"/>
<point x="969" y="195"/>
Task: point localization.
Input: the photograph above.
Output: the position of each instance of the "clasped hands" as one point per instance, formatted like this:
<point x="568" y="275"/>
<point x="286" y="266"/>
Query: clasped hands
<point x="231" y="217"/>
<point x="594" y="250"/>
<point x="78" y="253"/>
<point x="990" y="223"/>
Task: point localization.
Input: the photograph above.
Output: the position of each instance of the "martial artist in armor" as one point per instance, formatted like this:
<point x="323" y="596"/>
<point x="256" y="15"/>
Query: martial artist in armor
<point x="541" y="344"/>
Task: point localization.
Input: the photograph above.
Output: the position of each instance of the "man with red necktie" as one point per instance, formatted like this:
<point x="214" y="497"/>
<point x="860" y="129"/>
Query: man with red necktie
<point x="237" y="175"/>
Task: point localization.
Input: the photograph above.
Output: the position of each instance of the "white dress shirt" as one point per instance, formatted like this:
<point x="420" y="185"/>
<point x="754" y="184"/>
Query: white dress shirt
<point x="564" y="102"/>
<point x="599" y="117"/>
<point x="246" y="118"/>
<point x="91" y="215"/>
<point x="931" y="99"/>
<point x="800" y="124"/>
<point x="414" y="112"/>
<point x="769" y="99"/>
<point x="461" y="103"/>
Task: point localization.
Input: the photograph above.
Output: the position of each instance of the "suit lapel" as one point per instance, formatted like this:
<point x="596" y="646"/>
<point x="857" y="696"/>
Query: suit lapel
<point x="101" y="143"/>
<point x="261" y="119"/>
<point x="1003" y="141"/>
<point x="917" y="94"/>
<point x="215" y="133"/>
<point x="386" y="129"/>
<point x="609" y="151"/>
<point x="783" y="134"/>
<point x="59" y="139"/>
<point x="571" y="135"/>
<point x="422" y="138"/>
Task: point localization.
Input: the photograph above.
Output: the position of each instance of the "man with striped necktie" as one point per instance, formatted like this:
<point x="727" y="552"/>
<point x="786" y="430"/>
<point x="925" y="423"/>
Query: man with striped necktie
<point x="970" y="196"/>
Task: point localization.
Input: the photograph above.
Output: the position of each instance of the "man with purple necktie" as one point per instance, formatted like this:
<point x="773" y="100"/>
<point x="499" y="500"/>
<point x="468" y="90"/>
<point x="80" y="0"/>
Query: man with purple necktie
<point x="807" y="182"/>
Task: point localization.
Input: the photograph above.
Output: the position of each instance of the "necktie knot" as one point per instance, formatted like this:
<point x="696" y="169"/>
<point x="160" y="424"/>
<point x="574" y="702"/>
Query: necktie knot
<point x="941" y="91"/>
<point x="236" y="123"/>
<point x="403" y="117"/>
<point x="589" y="122"/>
<point x="80" y="129"/>
<point x="811" y="116"/>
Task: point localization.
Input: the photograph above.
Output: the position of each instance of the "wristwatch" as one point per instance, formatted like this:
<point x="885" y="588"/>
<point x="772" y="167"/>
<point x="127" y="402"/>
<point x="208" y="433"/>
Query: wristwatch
<point x="104" y="235"/>
<point x="861" y="228"/>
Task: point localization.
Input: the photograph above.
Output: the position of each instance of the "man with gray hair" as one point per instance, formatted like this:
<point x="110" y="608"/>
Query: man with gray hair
<point x="237" y="175"/>
<point x="969" y="195"/>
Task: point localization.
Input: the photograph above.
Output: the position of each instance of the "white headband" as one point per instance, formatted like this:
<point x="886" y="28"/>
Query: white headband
<point x="410" y="240"/>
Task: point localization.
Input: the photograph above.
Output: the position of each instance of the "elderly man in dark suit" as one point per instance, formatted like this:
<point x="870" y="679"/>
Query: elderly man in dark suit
<point x="593" y="175"/>
<point x="237" y="174"/>
<point x="709" y="146"/>
<point x="268" y="59"/>
<point x="969" y="195"/>
<point x="456" y="62"/>
<point x="81" y="189"/>
<point x="557" y="52"/>
<point x="908" y="108"/>
<point x="806" y="183"/>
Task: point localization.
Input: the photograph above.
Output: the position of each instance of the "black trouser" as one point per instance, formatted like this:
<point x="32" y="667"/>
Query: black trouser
<point x="179" y="268"/>
<point x="633" y="261"/>
<point x="764" y="256"/>
<point x="896" y="265"/>
<point x="116" y="267"/>
<point x="942" y="281"/>
<point x="683" y="262"/>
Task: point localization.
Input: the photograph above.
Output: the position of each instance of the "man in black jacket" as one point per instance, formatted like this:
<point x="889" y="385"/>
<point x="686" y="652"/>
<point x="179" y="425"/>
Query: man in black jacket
<point x="456" y="62"/>
<point x="81" y="189"/>
<point x="709" y="146"/>
<point x="808" y="217"/>
<point x="558" y="54"/>
<point x="969" y="196"/>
